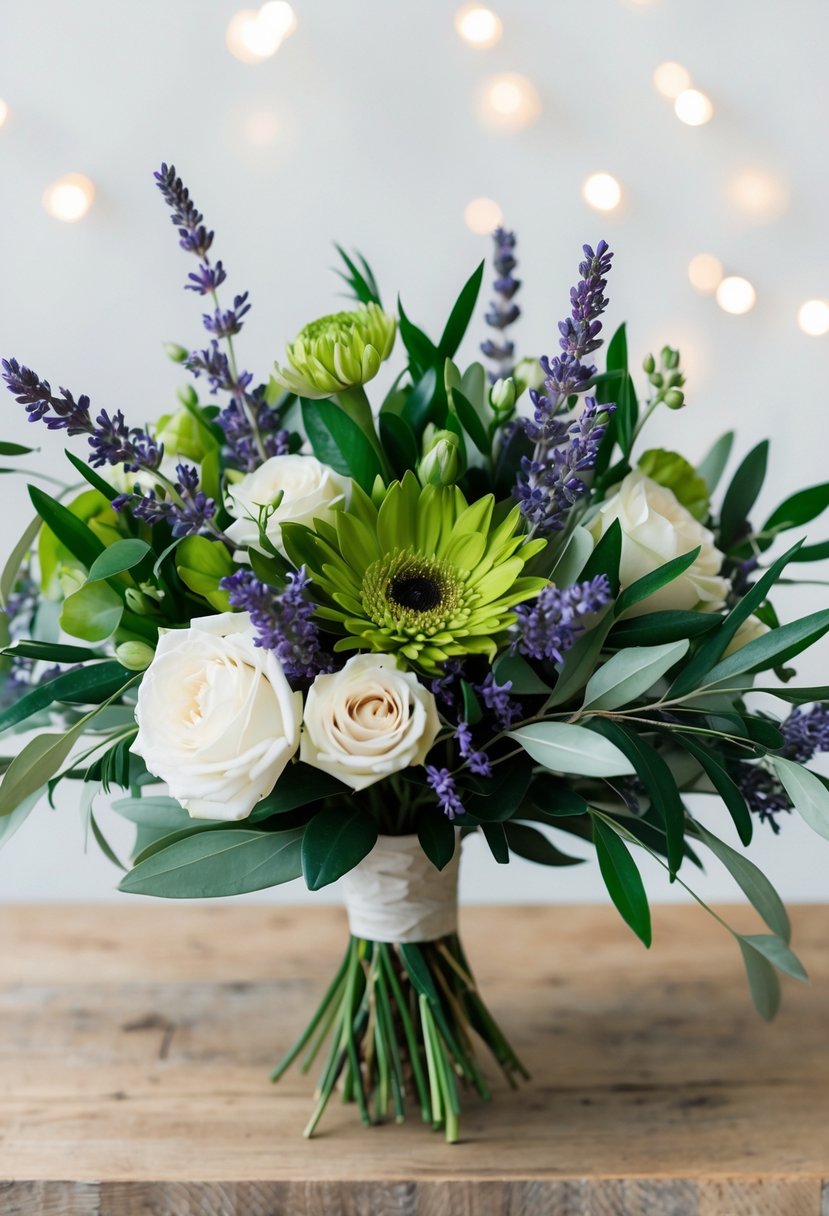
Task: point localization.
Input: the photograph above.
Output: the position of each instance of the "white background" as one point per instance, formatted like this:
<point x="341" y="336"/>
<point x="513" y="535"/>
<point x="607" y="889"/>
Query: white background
<point x="378" y="142"/>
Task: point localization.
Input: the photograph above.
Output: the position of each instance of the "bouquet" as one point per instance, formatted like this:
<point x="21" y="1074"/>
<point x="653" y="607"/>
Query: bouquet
<point x="307" y="634"/>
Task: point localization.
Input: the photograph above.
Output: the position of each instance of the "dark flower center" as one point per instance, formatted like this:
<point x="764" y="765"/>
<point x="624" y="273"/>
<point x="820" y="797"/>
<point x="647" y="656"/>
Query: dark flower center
<point x="417" y="592"/>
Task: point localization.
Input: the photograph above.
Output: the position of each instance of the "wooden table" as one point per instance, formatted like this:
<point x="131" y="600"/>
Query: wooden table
<point x="135" y="1042"/>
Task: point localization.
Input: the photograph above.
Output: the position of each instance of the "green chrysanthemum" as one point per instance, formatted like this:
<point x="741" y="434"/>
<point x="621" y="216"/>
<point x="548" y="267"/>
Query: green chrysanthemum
<point x="338" y="352"/>
<point x="426" y="576"/>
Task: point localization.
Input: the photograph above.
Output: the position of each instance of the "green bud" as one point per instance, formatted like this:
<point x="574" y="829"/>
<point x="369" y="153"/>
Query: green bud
<point x="182" y="436"/>
<point x="649" y="364"/>
<point x="441" y="462"/>
<point x="676" y="380"/>
<point x="175" y="352"/>
<point x="502" y="395"/>
<point x="670" y="357"/>
<point x="656" y="379"/>
<point x="135" y="656"/>
<point x="187" y="395"/>
<point x="674" y="399"/>
<point x="137" y="602"/>
<point x="528" y="374"/>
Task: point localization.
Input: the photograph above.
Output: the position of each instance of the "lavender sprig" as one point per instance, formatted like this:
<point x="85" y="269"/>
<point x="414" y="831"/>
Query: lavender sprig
<point x="477" y="761"/>
<point x="251" y="428"/>
<point x="187" y="509"/>
<point x="283" y="621"/>
<point x="548" y="484"/>
<point x="549" y="625"/>
<point x="445" y="790"/>
<point x="805" y="734"/>
<point x="503" y="310"/>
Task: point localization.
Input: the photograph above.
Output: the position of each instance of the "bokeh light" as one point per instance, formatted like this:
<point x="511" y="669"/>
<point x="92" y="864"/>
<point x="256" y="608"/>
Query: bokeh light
<point x="482" y="216"/>
<point x="736" y="295"/>
<point x="813" y="317"/>
<point x="69" y="198"/>
<point x="693" y="108"/>
<point x="510" y="102"/>
<point x="670" y="79"/>
<point x="705" y="272"/>
<point x="478" y="26"/>
<point x="4" y="111"/>
<point x="260" y="128"/>
<point x="253" y="35"/>
<point x="602" y="192"/>
<point x="758" y="194"/>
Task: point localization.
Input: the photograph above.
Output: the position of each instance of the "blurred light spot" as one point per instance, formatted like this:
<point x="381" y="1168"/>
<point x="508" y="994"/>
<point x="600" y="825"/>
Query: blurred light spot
<point x="261" y="128"/>
<point x="670" y="79"/>
<point x="4" y="111"/>
<point x="69" y="198"/>
<point x="510" y="102"/>
<point x="602" y="191"/>
<point x="478" y="26"/>
<point x="482" y="215"/>
<point x="705" y="272"/>
<point x="253" y="35"/>
<point x="736" y="295"/>
<point x="693" y="108"/>
<point x="758" y="194"/>
<point x="813" y="317"/>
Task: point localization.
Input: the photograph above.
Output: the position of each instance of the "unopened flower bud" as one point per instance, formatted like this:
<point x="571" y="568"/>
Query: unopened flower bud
<point x="674" y="399"/>
<point x="502" y="395"/>
<point x="136" y="602"/>
<point x="656" y="379"/>
<point x="175" y="352"/>
<point x="676" y="380"/>
<point x="648" y="364"/>
<point x="670" y="357"/>
<point x="528" y="374"/>
<point x="187" y="395"/>
<point x="135" y="656"/>
<point x="441" y="463"/>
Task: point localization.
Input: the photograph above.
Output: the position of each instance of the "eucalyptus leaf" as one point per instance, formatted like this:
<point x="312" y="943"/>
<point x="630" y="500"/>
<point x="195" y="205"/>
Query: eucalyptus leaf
<point x="763" y="981"/>
<point x="742" y="494"/>
<point x="646" y="586"/>
<point x="658" y="627"/>
<point x="775" y="951"/>
<point x="71" y="531"/>
<point x="521" y="676"/>
<point x="90" y="685"/>
<point x="712" y="465"/>
<point x="809" y="795"/>
<point x="93" y="612"/>
<point x="622" y="879"/>
<point x="123" y="555"/>
<point x="335" y="841"/>
<point x="154" y="811"/>
<point x="496" y="838"/>
<point x="771" y="649"/>
<point x="338" y="441"/>
<point x="300" y="785"/>
<point x="533" y="845"/>
<point x="753" y="883"/>
<point x="571" y="560"/>
<point x="436" y="835"/>
<point x="725" y="786"/>
<point x="218" y="862"/>
<point x="566" y="748"/>
<point x="628" y="674"/>
<point x="16" y="558"/>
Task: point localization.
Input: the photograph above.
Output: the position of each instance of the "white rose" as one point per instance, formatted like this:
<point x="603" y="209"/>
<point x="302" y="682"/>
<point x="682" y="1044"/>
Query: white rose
<point x="367" y="721"/>
<point x="310" y="490"/>
<point x="217" y="720"/>
<point x="655" y="528"/>
<point x="752" y="627"/>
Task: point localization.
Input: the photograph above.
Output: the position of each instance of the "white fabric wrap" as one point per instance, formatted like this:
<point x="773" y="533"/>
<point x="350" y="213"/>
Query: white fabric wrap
<point x="395" y="894"/>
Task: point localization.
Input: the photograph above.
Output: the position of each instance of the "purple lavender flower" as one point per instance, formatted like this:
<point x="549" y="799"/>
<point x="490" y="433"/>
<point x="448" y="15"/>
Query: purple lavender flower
<point x="446" y="687"/>
<point x="503" y="310"/>
<point x="763" y="792"/>
<point x="497" y="699"/>
<point x="477" y="761"/>
<point x="227" y="322"/>
<point x="549" y="484"/>
<point x="549" y="625"/>
<point x="806" y="732"/>
<point x="283" y="621"/>
<point x="188" y="511"/>
<point x="207" y="279"/>
<point x="445" y="790"/>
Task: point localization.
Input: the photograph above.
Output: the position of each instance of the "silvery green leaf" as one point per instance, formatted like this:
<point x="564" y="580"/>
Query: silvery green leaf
<point x="762" y="980"/>
<point x="753" y="883"/>
<point x="807" y="792"/>
<point x="775" y="951"/>
<point x="566" y="748"/>
<point x="628" y="674"/>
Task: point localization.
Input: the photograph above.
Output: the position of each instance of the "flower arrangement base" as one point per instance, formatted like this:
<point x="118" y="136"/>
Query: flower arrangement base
<point x="399" y="1021"/>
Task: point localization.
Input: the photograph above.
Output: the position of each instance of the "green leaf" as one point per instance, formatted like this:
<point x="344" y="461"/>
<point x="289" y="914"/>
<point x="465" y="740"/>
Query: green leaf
<point x="421" y="350"/>
<point x="658" y="627"/>
<point x="570" y="561"/>
<point x="726" y="788"/>
<point x="201" y="566"/>
<point x="89" y="474"/>
<point x="34" y="765"/>
<point x="606" y="557"/>
<point x="299" y="785"/>
<point x="797" y="510"/>
<point x="90" y="685"/>
<point x="773" y="648"/>
<point x="155" y="811"/>
<point x="335" y="841"/>
<point x="472" y="424"/>
<point x="399" y="442"/>
<point x="93" y="612"/>
<point x="752" y="882"/>
<point x="646" y="586"/>
<point x="673" y="471"/>
<point x="809" y="795"/>
<point x="565" y="748"/>
<point x="712" y="465"/>
<point x="52" y="652"/>
<point x="656" y="776"/>
<point x="580" y="662"/>
<point x="496" y="838"/>
<point x="123" y="555"/>
<point x="623" y="880"/>
<point x="742" y="493"/>
<point x="12" y="567"/>
<point x="533" y="845"/>
<point x="626" y="416"/>
<point x="420" y="399"/>
<point x="763" y="981"/>
<point x="436" y="836"/>
<point x="217" y="862"/>
<point x="362" y="282"/>
<point x="14" y="449"/>
<point x="797" y="696"/>
<point x="813" y="553"/>
<point x="80" y="540"/>
<point x="519" y="673"/>
<point x="775" y="951"/>
<point x="461" y="314"/>
<point x="504" y="794"/>
<point x="628" y="674"/>
<point x="472" y="711"/>
<point x="339" y="442"/>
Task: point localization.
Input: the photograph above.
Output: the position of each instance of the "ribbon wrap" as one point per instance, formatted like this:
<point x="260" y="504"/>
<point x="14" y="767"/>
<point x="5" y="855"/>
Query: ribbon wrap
<point x="395" y="894"/>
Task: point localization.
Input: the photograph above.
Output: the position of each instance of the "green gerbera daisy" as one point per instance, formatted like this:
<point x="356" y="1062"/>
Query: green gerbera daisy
<point x="425" y="576"/>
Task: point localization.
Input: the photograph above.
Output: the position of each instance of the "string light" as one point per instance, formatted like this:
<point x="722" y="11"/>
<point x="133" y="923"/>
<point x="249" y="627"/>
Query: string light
<point x="482" y="216"/>
<point x="693" y="108"/>
<point x="69" y="198"/>
<point x="670" y="79"/>
<point x="813" y="317"/>
<point x="705" y="272"/>
<point x="253" y="35"/>
<point x="758" y="194"/>
<point x="736" y="295"/>
<point x="602" y="191"/>
<point x="478" y="26"/>
<point x="4" y="111"/>
<point x="510" y="102"/>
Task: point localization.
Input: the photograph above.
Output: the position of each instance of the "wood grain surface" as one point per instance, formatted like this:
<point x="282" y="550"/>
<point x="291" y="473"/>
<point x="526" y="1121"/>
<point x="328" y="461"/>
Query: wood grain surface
<point x="136" y="1041"/>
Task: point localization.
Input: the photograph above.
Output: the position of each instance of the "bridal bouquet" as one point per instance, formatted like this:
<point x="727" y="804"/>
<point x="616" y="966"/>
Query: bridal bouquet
<point x="307" y="634"/>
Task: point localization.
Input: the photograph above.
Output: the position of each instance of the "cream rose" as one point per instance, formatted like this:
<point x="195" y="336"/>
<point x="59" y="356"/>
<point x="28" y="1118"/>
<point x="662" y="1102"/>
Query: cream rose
<point x="310" y="490"/>
<point x="750" y="629"/>
<point x="367" y="721"/>
<point x="217" y="720"/>
<point x="655" y="528"/>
